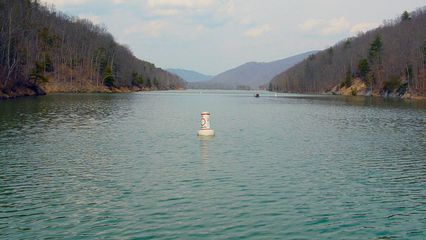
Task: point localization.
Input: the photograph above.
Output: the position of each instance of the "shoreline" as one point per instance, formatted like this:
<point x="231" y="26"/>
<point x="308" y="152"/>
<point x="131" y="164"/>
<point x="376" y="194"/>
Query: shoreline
<point x="21" y="92"/>
<point x="33" y="91"/>
<point x="53" y="86"/>
<point x="359" y="88"/>
<point x="403" y="97"/>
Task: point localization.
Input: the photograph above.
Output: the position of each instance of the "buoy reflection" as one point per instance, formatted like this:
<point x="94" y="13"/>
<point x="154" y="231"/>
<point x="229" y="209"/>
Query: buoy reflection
<point x="204" y="147"/>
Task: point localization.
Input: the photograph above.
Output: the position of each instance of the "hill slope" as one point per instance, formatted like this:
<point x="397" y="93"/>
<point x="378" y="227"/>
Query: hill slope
<point x="388" y="60"/>
<point x="189" y="75"/>
<point x="42" y="50"/>
<point x="253" y="74"/>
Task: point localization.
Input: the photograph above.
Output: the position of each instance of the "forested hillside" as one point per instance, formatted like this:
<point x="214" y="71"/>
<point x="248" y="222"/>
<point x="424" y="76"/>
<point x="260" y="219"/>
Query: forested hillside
<point x="388" y="60"/>
<point x="42" y="49"/>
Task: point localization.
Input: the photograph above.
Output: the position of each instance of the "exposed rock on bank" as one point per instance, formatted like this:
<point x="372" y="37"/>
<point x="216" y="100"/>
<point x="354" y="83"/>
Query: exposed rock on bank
<point x="21" y="91"/>
<point x="357" y="87"/>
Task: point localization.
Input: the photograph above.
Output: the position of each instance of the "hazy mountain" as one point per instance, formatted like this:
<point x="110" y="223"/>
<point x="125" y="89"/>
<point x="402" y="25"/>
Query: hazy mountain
<point x="252" y="74"/>
<point x="189" y="75"/>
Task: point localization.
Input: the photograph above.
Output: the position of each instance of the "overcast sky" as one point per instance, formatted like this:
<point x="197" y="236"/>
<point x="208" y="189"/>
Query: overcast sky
<point x="211" y="36"/>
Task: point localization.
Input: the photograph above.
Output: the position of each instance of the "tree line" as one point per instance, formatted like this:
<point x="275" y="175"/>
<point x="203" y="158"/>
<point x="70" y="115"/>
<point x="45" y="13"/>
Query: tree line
<point x="39" y="44"/>
<point x="387" y="59"/>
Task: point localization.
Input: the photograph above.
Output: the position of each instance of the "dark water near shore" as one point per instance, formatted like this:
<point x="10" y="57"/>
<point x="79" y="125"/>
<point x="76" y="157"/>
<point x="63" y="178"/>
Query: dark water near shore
<point x="128" y="166"/>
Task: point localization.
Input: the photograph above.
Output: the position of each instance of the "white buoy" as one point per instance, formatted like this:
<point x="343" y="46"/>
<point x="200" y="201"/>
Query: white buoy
<point x="205" y="125"/>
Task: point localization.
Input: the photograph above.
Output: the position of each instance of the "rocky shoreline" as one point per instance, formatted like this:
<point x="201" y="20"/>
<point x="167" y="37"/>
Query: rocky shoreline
<point x="22" y="91"/>
<point x="76" y="86"/>
<point x="34" y="90"/>
<point x="359" y="88"/>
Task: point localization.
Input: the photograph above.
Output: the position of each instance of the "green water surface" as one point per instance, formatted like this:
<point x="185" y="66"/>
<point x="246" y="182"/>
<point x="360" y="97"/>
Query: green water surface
<point x="130" y="166"/>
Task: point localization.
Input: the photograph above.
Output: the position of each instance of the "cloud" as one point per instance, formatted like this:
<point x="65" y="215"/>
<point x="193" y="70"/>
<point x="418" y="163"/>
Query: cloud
<point x="325" y="26"/>
<point x="311" y="24"/>
<point x="192" y="4"/>
<point x="335" y="26"/>
<point x="165" y="12"/>
<point x="209" y="13"/>
<point x="245" y="21"/>
<point x="64" y="3"/>
<point x="363" y="27"/>
<point x="150" y="28"/>
<point x="61" y="3"/>
<point x="227" y="8"/>
<point x="258" y="30"/>
<point x="119" y="1"/>
<point x="93" y="18"/>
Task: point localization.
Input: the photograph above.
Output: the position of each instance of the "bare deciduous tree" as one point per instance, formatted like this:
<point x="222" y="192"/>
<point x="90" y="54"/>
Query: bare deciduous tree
<point x="400" y="54"/>
<point x="72" y="51"/>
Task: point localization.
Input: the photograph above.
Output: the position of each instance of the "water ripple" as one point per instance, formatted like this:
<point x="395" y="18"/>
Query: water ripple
<point x="130" y="166"/>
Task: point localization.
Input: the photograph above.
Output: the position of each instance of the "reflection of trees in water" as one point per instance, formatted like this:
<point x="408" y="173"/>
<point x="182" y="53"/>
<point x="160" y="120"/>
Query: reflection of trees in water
<point x="21" y="116"/>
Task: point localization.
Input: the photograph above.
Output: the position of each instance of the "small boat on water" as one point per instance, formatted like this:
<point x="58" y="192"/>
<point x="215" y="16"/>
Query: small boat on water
<point x="257" y="95"/>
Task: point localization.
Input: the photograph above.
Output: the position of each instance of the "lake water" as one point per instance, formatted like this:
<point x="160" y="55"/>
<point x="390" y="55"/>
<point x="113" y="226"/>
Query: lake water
<point x="127" y="166"/>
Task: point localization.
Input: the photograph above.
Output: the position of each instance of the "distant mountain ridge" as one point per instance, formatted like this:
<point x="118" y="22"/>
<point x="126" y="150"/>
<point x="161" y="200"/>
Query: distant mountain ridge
<point x="189" y="75"/>
<point x="251" y="74"/>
